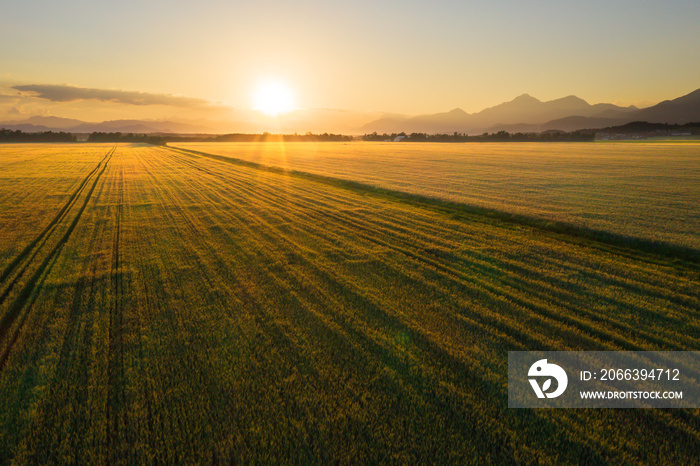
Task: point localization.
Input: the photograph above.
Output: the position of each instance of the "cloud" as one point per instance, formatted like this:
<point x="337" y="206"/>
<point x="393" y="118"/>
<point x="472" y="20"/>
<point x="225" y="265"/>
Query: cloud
<point x="66" y="93"/>
<point x="8" y="98"/>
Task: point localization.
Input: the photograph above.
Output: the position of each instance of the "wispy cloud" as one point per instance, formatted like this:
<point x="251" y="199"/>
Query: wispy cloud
<point x="67" y="93"/>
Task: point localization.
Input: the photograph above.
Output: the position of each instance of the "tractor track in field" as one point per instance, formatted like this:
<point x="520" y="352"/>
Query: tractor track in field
<point x="115" y="365"/>
<point x="26" y="296"/>
<point x="34" y="247"/>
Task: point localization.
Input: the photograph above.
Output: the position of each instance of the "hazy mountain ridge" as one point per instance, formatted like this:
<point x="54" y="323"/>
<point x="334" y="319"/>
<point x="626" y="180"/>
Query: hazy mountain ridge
<point x="684" y="109"/>
<point x="41" y="123"/>
<point x="524" y="110"/>
<point x="528" y="114"/>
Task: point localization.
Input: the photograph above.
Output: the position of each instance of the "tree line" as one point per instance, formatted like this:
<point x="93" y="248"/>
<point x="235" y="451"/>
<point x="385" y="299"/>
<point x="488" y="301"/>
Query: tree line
<point x="128" y="137"/>
<point x="644" y="127"/>
<point x="501" y="136"/>
<point x="263" y="137"/>
<point x="7" y="135"/>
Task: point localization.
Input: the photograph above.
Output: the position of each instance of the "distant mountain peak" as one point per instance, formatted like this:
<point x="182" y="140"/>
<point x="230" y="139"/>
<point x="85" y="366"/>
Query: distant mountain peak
<point x="571" y="99"/>
<point x="525" y="98"/>
<point x="457" y="111"/>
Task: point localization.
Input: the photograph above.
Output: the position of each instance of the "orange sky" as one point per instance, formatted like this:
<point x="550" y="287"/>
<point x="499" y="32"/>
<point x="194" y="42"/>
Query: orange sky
<point x="407" y="57"/>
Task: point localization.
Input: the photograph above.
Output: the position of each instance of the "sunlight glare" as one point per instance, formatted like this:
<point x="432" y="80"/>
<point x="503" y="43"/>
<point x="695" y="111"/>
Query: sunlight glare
<point x="273" y="98"/>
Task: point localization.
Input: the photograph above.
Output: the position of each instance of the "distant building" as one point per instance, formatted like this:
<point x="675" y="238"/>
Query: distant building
<point x="399" y="138"/>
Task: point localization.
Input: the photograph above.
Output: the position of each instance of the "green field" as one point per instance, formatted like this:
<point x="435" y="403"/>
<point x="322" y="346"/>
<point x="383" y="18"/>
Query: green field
<point x="638" y="189"/>
<point x="159" y="305"/>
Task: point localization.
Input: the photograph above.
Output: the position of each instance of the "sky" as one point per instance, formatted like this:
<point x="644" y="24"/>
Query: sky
<point x="205" y="59"/>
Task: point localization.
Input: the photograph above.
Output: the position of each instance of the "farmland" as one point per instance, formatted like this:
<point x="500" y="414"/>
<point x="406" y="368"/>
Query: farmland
<point x="638" y="189"/>
<point x="160" y="305"/>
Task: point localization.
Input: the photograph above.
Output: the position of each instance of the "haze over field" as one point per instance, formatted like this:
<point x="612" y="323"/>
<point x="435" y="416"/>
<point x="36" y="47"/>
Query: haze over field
<point x="329" y="66"/>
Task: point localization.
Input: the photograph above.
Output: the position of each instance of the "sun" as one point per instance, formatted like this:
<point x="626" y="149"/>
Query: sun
<point x="273" y="98"/>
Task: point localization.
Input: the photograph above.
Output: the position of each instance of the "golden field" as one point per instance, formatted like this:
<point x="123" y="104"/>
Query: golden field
<point x="644" y="189"/>
<point x="160" y="305"/>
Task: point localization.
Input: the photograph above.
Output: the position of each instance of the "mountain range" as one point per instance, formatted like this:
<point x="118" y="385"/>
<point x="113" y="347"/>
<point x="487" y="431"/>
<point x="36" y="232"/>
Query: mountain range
<point x="528" y="114"/>
<point x="522" y="114"/>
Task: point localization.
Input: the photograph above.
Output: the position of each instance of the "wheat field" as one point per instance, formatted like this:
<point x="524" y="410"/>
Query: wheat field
<point x="637" y="189"/>
<point x="159" y="305"/>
